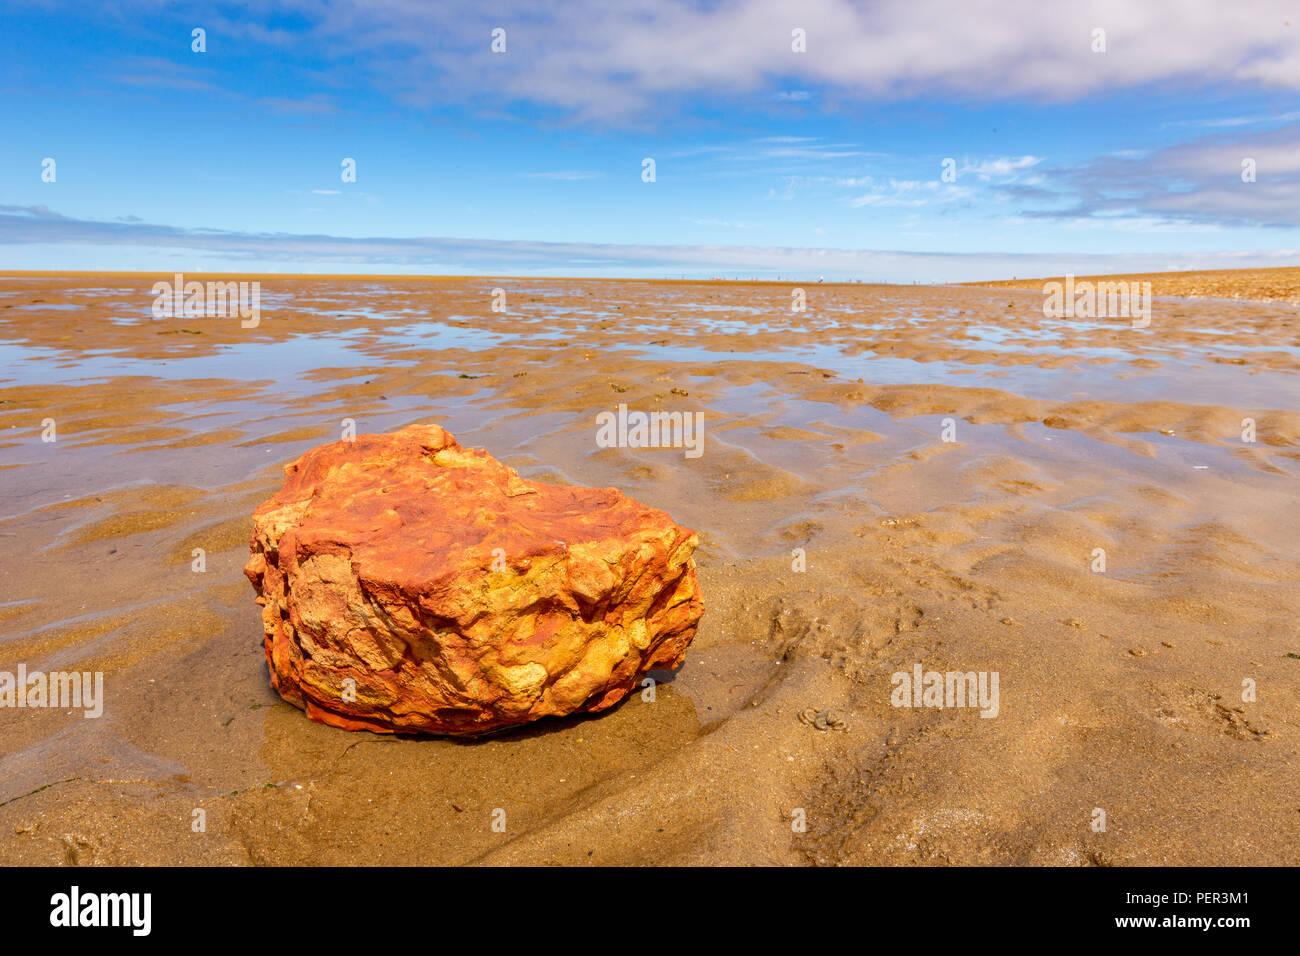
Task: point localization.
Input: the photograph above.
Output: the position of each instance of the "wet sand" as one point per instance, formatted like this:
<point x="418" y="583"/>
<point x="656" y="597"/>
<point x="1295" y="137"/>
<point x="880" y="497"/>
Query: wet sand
<point x="1120" y="691"/>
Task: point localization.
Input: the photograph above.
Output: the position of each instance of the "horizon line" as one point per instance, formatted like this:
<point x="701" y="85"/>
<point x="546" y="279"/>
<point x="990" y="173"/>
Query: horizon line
<point x="150" y="273"/>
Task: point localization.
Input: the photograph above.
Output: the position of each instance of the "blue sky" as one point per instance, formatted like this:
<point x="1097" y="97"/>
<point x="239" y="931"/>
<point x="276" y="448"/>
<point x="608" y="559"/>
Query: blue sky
<point x="768" y="161"/>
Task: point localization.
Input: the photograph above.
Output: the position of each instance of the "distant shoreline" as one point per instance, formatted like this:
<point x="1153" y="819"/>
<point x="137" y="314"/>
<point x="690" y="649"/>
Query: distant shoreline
<point x="1272" y="284"/>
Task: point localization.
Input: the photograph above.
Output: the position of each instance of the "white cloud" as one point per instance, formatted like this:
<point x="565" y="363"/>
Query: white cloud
<point x="1003" y="168"/>
<point x="1190" y="183"/>
<point x="603" y="60"/>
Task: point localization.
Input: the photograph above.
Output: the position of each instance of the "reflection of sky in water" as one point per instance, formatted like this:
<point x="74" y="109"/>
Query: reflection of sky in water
<point x="25" y="365"/>
<point x="381" y="336"/>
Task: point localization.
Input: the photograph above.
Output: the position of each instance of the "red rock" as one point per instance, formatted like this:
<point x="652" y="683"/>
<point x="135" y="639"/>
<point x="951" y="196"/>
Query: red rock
<point x="388" y="607"/>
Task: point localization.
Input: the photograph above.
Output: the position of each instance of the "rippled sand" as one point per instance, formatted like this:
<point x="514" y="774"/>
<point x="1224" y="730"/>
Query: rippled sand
<point x="1120" y="691"/>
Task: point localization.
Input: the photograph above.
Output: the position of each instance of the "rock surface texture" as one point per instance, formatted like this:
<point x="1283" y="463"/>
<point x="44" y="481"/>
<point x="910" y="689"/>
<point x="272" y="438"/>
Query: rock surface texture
<point x="410" y="585"/>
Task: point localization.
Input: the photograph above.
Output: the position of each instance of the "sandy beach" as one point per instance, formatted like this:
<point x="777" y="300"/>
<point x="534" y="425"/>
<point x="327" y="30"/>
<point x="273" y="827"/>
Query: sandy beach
<point x="843" y="541"/>
<point x="1258" y="285"/>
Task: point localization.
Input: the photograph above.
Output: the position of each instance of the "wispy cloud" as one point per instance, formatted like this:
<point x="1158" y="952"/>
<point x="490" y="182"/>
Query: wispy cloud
<point x="1227" y="122"/>
<point x="159" y="73"/>
<point x="32" y="212"/>
<point x="820" y="152"/>
<point x="909" y="192"/>
<point x="1000" y="168"/>
<point x="269" y="252"/>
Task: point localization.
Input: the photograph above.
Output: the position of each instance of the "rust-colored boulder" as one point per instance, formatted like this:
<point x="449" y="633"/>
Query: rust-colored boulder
<point x="411" y="585"/>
